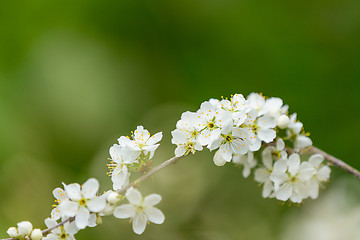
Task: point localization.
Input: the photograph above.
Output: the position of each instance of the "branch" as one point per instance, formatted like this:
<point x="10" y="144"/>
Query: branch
<point x="133" y="184"/>
<point x="334" y="161"/>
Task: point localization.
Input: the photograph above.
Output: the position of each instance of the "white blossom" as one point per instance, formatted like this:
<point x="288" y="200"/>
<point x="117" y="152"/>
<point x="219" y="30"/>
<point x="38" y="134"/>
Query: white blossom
<point x="322" y="174"/>
<point x="140" y="142"/>
<point x="60" y="196"/>
<point x="24" y="228"/>
<point x="64" y="232"/>
<point x="301" y="140"/>
<point x="118" y="169"/>
<point x="13" y="232"/>
<point x="140" y="210"/>
<point x="290" y="178"/>
<point x="36" y="234"/>
<point x="82" y="202"/>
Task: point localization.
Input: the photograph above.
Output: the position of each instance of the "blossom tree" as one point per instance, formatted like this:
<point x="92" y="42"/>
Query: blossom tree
<point x="256" y="133"/>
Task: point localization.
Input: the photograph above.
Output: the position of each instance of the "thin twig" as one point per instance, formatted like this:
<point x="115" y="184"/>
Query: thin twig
<point x="334" y="161"/>
<point x="133" y="184"/>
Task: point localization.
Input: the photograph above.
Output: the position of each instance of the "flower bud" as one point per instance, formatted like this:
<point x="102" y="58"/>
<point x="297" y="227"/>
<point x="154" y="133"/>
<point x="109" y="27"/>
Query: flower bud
<point x="25" y="228"/>
<point x="113" y="198"/>
<point x="36" y="234"/>
<point x="98" y="220"/>
<point x="13" y="232"/>
<point x="283" y="121"/>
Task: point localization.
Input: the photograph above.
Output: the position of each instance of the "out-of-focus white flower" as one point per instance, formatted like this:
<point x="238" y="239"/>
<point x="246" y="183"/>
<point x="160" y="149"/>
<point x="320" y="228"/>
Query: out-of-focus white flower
<point x="247" y="160"/>
<point x="140" y="210"/>
<point x="322" y="174"/>
<point x="256" y="101"/>
<point x="290" y="178"/>
<point x="140" y="141"/>
<point x="82" y="201"/>
<point x="65" y="232"/>
<point x="262" y="175"/>
<point x="273" y="107"/>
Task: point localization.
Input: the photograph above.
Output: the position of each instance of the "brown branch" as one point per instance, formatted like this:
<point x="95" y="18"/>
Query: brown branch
<point x="133" y="184"/>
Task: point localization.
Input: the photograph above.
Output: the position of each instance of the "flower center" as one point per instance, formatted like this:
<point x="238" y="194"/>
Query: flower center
<point x="140" y="209"/>
<point x="293" y="179"/>
<point x="63" y="236"/>
<point x="211" y="125"/>
<point x="229" y="138"/>
<point x="82" y="202"/>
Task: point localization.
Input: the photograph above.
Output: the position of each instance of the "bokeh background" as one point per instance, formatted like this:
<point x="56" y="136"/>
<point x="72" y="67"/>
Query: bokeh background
<point x="76" y="75"/>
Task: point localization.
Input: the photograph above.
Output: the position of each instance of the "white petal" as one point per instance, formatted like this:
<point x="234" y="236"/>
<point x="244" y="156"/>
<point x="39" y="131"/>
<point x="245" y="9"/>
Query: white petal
<point x="284" y="192"/>
<point x="324" y="173"/>
<point x="124" y="211"/>
<point x="306" y="171"/>
<point x="313" y="187"/>
<point x="139" y="223"/>
<point x="90" y="188"/>
<point x="73" y="191"/>
<point x="266" y="135"/>
<point x="278" y="178"/>
<point x="316" y="160"/>
<point x="261" y="175"/>
<point x="82" y="218"/>
<point x="302" y="142"/>
<point x="280" y="165"/>
<point x="266" y="122"/>
<point x="50" y="223"/>
<point x="280" y="144"/>
<point x="70" y="228"/>
<point x="55" y="214"/>
<point x="254" y="146"/>
<point x="97" y="204"/>
<point x="60" y="194"/>
<point x="154" y="215"/>
<point x="115" y="153"/>
<point x="134" y="196"/>
<point x="51" y="236"/>
<point x="68" y="208"/>
<point x="218" y="159"/>
<point x="268" y="188"/>
<point x="294" y="164"/>
<point x="92" y="220"/>
<point x="154" y="139"/>
<point x="152" y="199"/>
<point x="180" y="150"/>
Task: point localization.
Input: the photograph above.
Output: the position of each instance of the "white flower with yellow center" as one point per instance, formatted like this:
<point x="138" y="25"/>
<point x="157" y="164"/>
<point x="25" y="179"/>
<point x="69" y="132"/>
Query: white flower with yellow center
<point x="290" y="178"/>
<point x="140" y="210"/>
<point x="82" y="202"/>
<point x="118" y="170"/>
<point x="140" y="142"/>
<point x="230" y="143"/>
<point x="185" y="143"/>
<point x="212" y="120"/>
<point x="64" y="232"/>
<point x="237" y="106"/>
<point x="259" y="129"/>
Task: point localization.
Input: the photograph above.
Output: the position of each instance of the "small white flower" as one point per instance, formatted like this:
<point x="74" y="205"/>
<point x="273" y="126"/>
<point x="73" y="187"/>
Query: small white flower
<point x="231" y="142"/>
<point x="118" y="169"/>
<point x="36" y="234"/>
<point x="82" y="201"/>
<point x="290" y="178"/>
<point x="13" y="232"/>
<point x="247" y="160"/>
<point x="274" y="108"/>
<point x="212" y="121"/>
<point x="322" y="174"/>
<point x="141" y="142"/>
<point x="237" y="106"/>
<point x="259" y="129"/>
<point x="65" y="232"/>
<point x="185" y="143"/>
<point x="140" y="210"/>
<point x="24" y="228"/>
<point x="277" y="151"/>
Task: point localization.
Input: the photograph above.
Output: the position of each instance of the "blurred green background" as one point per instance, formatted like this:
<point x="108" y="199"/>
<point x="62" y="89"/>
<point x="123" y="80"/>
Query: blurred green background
<point x="76" y="75"/>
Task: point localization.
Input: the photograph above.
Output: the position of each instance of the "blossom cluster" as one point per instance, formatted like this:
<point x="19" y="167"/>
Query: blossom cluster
<point x="242" y="130"/>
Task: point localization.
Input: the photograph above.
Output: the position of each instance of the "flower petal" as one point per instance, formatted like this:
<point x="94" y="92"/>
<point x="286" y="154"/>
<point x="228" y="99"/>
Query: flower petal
<point x="82" y="218"/>
<point x="96" y="204"/>
<point x="73" y="191"/>
<point x="284" y="192"/>
<point x="139" y="223"/>
<point x="134" y="196"/>
<point x="294" y="163"/>
<point x="68" y="208"/>
<point x="154" y="215"/>
<point x="266" y="135"/>
<point x="152" y="199"/>
<point x="316" y="160"/>
<point x="90" y="188"/>
<point x="324" y="173"/>
<point x="124" y="211"/>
